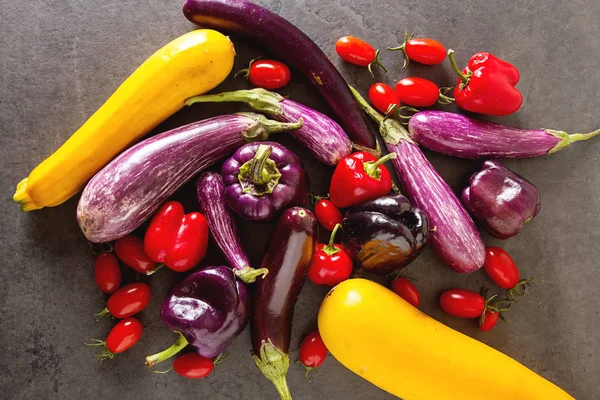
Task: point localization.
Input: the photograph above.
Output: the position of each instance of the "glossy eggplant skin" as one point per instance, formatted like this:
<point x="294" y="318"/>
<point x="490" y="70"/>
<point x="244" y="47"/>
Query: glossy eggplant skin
<point x="288" y="257"/>
<point x="291" y="46"/>
<point x="501" y="199"/>
<point x="210" y="308"/>
<point x="386" y="234"/>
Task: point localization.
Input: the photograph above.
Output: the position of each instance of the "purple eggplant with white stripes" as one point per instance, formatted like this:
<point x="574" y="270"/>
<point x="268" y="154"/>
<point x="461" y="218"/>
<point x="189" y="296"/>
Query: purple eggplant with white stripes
<point x="454" y="236"/>
<point x="461" y="136"/>
<point x="126" y="192"/>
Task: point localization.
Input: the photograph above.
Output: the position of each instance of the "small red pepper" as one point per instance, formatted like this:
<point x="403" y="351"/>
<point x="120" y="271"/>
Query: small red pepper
<point x="487" y="85"/>
<point x="330" y="264"/>
<point x="176" y="239"/>
<point x="360" y="177"/>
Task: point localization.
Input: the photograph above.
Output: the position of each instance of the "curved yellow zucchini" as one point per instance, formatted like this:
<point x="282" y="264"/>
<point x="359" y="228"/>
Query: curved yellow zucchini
<point x="193" y="63"/>
<point x="385" y="340"/>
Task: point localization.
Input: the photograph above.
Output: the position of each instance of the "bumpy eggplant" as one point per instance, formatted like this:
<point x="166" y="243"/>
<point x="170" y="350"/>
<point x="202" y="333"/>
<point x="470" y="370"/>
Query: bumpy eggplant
<point x="454" y="236"/>
<point x="321" y="135"/>
<point x="290" y="45"/>
<point x="288" y="258"/>
<point x="132" y="186"/>
<point x="211" y="196"/>
<point x="460" y="136"/>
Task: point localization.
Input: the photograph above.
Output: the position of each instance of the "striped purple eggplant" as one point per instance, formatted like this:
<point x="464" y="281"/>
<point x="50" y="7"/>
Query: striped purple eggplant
<point x="132" y="186"/>
<point x="321" y="135"/>
<point x="291" y="46"/>
<point x="460" y="136"/>
<point x="454" y="236"/>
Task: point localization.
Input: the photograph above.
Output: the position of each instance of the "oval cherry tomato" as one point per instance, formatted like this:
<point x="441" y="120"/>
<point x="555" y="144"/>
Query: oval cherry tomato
<point x="490" y="320"/>
<point x="124" y="335"/>
<point x="417" y="92"/>
<point x="130" y="250"/>
<point x="312" y="350"/>
<point x="501" y="268"/>
<point x="407" y="290"/>
<point x="193" y="366"/>
<point x="268" y="74"/>
<point x="330" y="269"/>
<point x="425" y="51"/>
<point x="127" y="301"/>
<point x="462" y="303"/>
<point x="355" y="51"/>
<point x="383" y="96"/>
<point x="107" y="273"/>
<point x="327" y="214"/>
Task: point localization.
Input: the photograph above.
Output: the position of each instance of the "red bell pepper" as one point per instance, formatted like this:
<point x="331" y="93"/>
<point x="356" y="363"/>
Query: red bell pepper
<point x="359" y="177"/>
<point x="487" y="85"/>
<point x="176" y="239"/>
<point x="330" y="264"/>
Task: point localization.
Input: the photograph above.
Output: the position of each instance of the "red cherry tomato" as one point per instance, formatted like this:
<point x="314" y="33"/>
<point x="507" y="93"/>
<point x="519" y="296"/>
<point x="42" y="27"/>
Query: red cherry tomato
<point x="407" y="290"/>
<point x="193" y="366"/>
<point x="355" y="51"/>
<point x="327" y="214"/>
<point x="130" y="250"/>
<point x="128" y="301"/>
<point x="417" y="92"/>
<point x="107" y="273"/>
<point x="383" y="96"/>
<point x="331" y="269"/>
<point x="425" y="51"/>
<point x="268" y="74"/>
<point x="501" y="268"/>
<point x="490" y="320"/>
<point x="312" y="350"/>
<point x="124" y="335"/>
<point x="462" y="303"/>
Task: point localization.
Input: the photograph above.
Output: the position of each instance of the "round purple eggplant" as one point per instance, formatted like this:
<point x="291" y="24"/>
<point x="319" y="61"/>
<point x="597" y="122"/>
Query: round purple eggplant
<point x="263" y="179"/>
<point x="386" y="234"/>
<point x="321" y="135"/>
<point x="503" y="200"/>
<point x="460" y="136"/>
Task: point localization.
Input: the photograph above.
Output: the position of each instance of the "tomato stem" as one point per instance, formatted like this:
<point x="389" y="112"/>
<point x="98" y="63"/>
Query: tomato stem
<point x="377" y="62"/>
<point x="443" y="99"/>
<point x="179" y="345"/>
<point x="105" y="353"/>
<point x="307" y="370"/>
<point x="155" y="269"/>
<point x="246" y="71"/>
<point x="402" y="47"/>
<point x="330" y="249"/>
<point x="315" y="198"/>
<point x="99" y="316"/>
<point x="464" y="78"/>
<point x="372" y="167"/>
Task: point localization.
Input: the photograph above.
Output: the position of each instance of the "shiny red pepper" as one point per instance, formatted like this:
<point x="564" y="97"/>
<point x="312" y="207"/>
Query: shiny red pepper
<point x="330" y="264"/>
<point x="358" y="178"/>
<point x="487" y="85"/>
<point x="176" y="239"/>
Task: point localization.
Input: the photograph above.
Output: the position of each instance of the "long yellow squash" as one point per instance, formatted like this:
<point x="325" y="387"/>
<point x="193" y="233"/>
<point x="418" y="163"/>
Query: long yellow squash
<point x="382" y="338"/>
<point x="191" y="64"/>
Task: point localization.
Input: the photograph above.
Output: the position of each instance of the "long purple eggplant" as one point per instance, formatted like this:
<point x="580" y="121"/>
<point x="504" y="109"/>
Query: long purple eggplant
<point x="321" y="135"/>
<point x="454" y="236"/>
<point x="132" y="186"/>
<point x="460" y="136"/>
<point x="288" y="257"/>
<point x="211" y="196"/>
<point x="290" y="45"/>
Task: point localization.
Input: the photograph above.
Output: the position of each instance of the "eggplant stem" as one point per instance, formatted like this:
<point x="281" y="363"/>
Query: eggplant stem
<point x="464" y="78"/>
<point x="174" y="349"/>
<point x="258" y="99"/>
<point x="264" y="126"/>
<point x="330" y="249"/>
<point x="274" y="364"/>
<point x="372" y="167"/>
<point x="249" y="274"/>
<point x="566" y="139"/>
<point x="376" y="62"/>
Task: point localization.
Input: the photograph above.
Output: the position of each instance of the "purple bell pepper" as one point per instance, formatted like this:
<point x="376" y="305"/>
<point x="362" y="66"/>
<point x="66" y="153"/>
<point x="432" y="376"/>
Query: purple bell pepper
<point x="263" y="179"/>
<point x="503" y="200"/>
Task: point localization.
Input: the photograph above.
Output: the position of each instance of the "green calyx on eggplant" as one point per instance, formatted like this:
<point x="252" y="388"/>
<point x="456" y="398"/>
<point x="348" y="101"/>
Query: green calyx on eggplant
<point x="386" y="234"/>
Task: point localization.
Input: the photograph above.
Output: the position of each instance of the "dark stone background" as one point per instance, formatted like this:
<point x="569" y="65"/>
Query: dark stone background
<point x="59" y="61"/>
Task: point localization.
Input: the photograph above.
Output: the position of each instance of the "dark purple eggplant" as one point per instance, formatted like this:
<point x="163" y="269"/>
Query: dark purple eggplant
<point x="263" y="179"/>
<point x="503" y="200"/>
<point x="132" y="186"/>
<point x="291" y="46"/>
<point x="288" y="257"/>
<point x="211" y="196"/>
<point x="321" y="135"/>
<point x="454" y="236"/>
<point x="460" y="136"/>
<point x="209" y="308"/>
<point x="386" y="234"/>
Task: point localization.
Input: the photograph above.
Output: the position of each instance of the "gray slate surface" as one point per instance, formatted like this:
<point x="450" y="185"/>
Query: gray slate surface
<point x="59" y="60"/>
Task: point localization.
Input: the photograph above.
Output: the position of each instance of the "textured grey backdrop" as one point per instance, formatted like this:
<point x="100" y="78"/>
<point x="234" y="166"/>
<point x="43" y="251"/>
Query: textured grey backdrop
<point x="60" y="59"/>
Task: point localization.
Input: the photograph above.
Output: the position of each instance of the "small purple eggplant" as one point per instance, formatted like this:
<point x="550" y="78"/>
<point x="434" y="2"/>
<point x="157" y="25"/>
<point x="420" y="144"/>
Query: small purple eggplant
<point x="262" y="180"/>
<point x="209" y="308"/>
<point x="503" y="200"/>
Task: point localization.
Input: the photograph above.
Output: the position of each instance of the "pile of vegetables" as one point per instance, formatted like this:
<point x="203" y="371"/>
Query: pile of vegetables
<point x="378" y="333"/>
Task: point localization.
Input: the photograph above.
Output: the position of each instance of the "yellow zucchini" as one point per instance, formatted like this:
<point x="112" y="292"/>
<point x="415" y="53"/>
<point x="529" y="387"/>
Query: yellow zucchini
<point x="193" y="63"/>
<point x="385" y="340"/>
